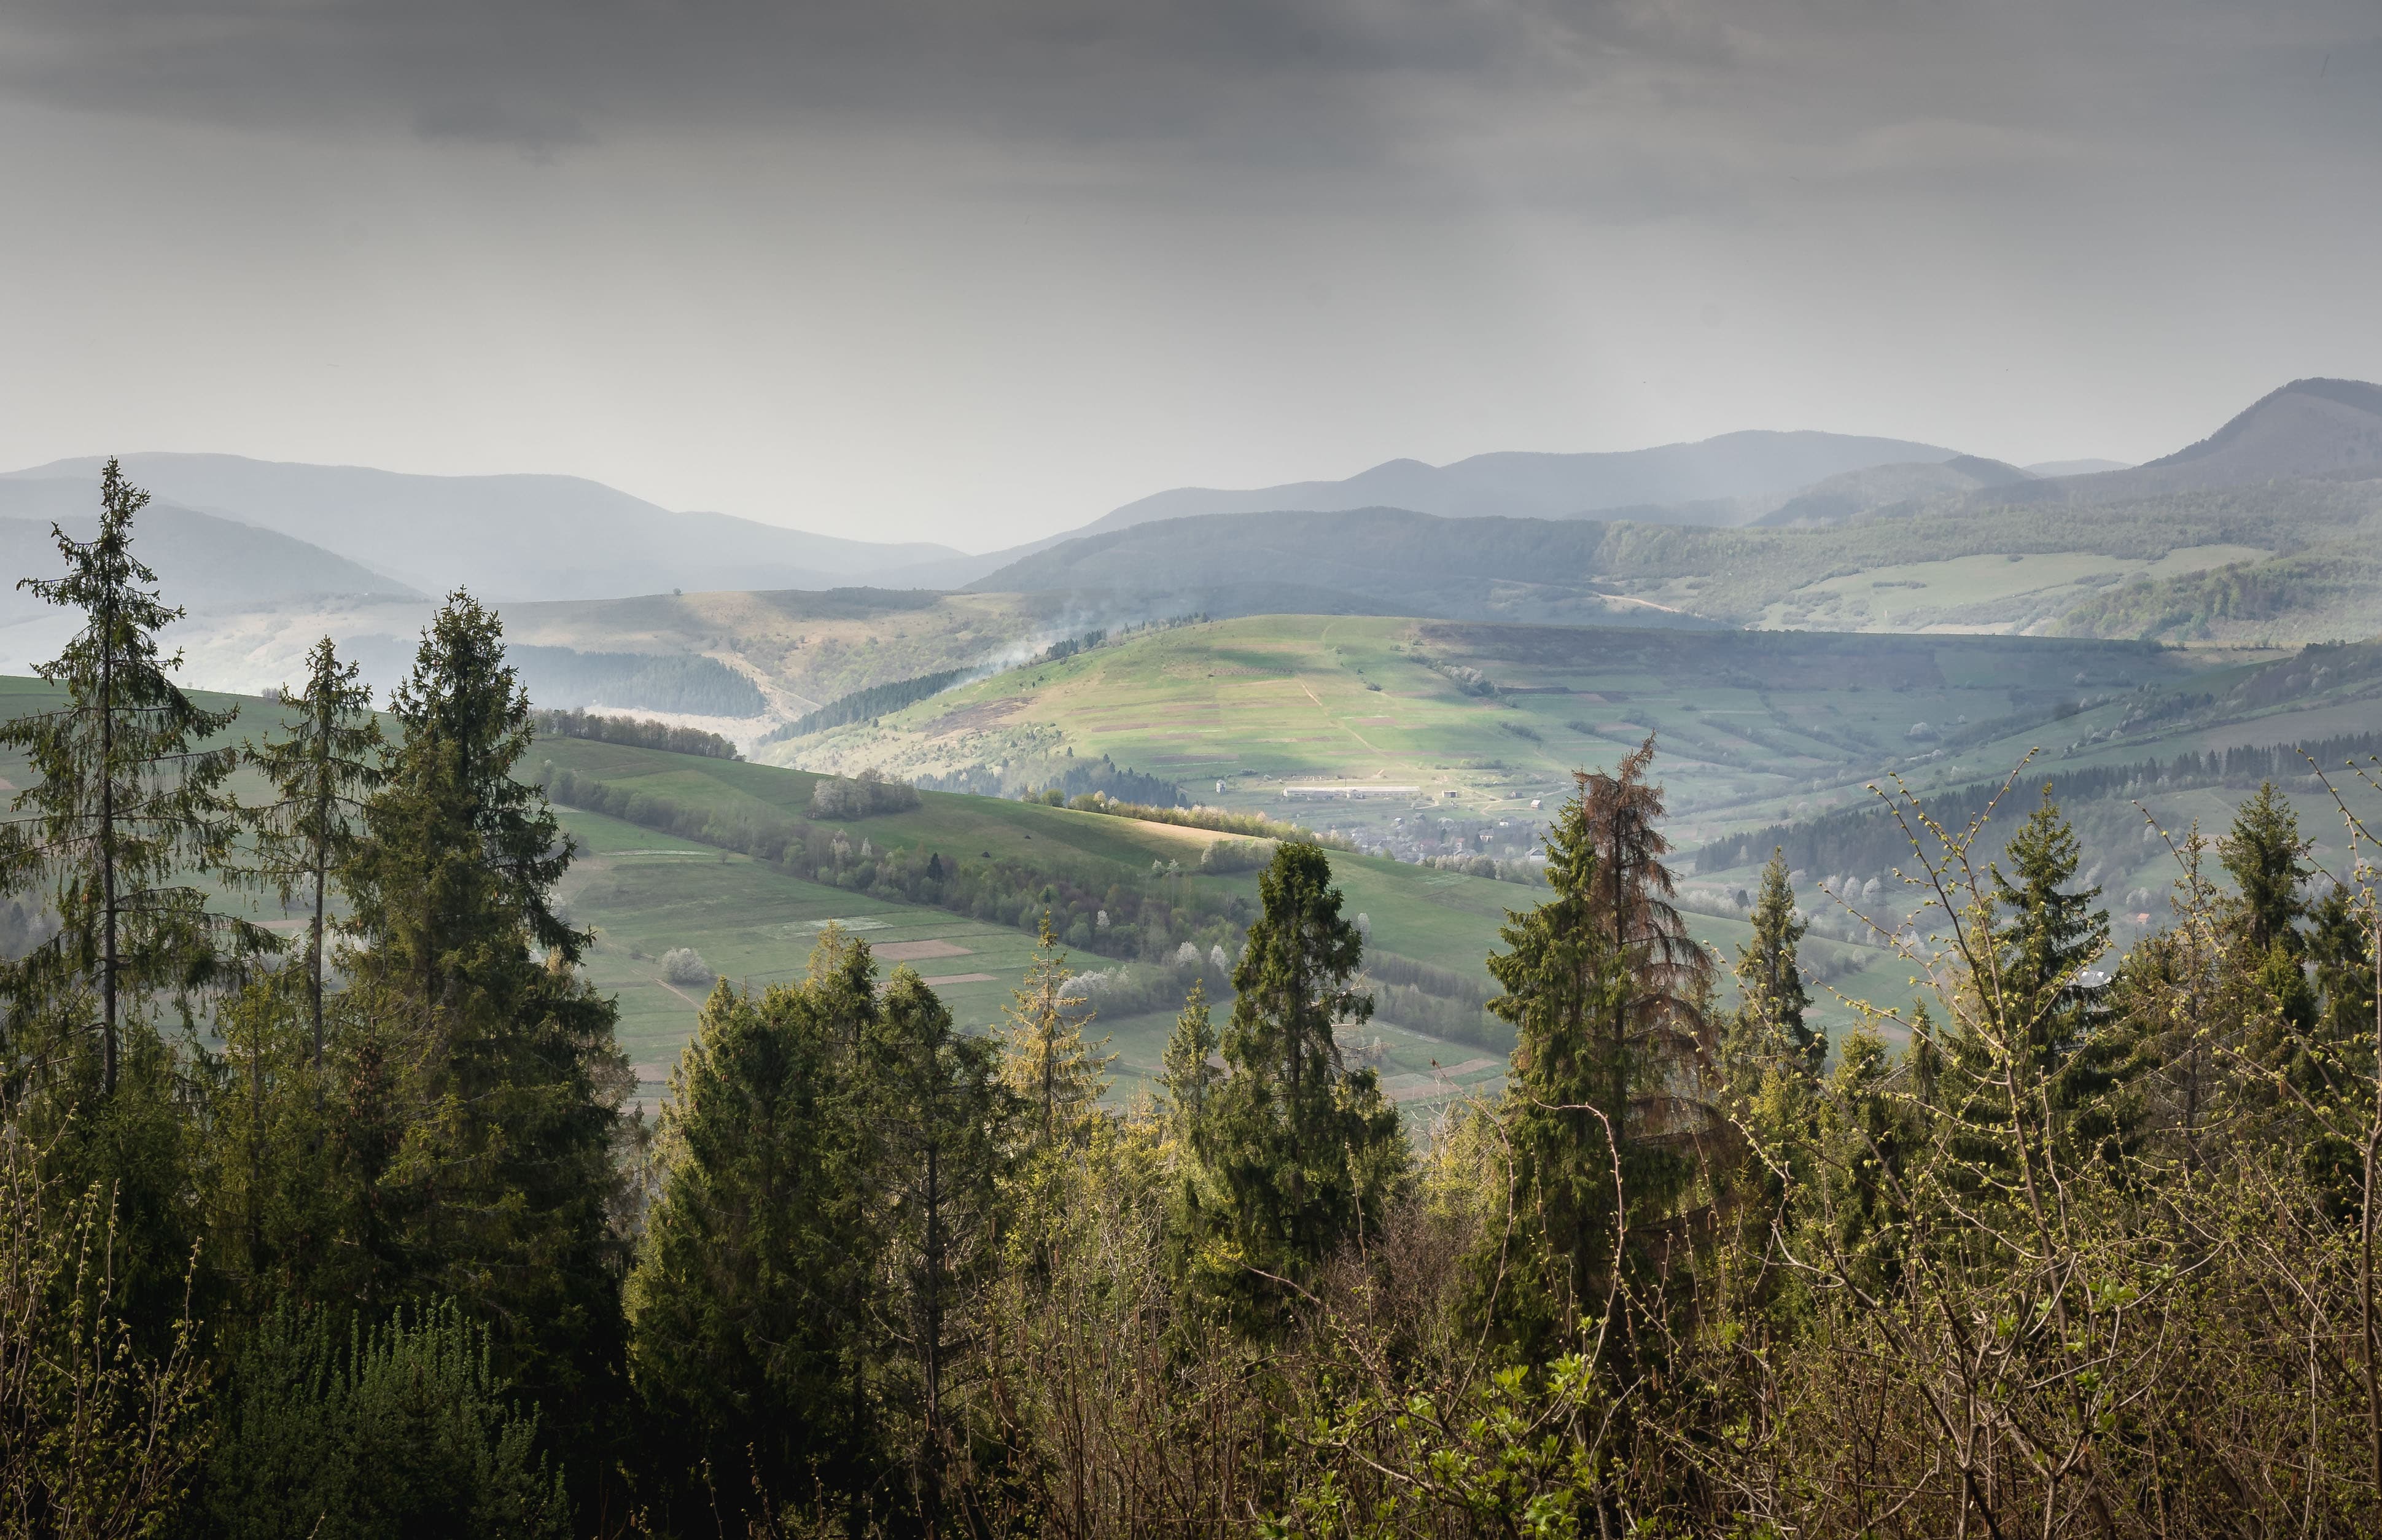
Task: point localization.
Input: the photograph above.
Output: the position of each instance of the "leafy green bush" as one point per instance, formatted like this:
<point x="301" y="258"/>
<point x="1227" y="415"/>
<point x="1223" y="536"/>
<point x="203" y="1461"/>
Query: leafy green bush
<point x="861" y="797"/>
<point x="1235" y="855"/>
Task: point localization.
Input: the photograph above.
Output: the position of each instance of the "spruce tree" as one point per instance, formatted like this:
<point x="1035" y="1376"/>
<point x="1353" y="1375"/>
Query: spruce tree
<point x="1870" y="1138"/>
<point x="1771" y="1061"/>
<point x="459" y="861"/>
<point x="748" y="1328"/>
<point x="1188" y="1076"/>
<point x="2267" y="859"/>
<point x="126" y="802"/>
<point x="322" y="763"/>
<point x="942" y="1117"/>
<point x="1770" y="975"/>
<point x="1297" y="1151"/>
<point x="488" y="1083"/>
<point x="2334" y="1064"/>
<point x="1056" y="1076"/>
<point x="385" y="1432"/>
<point x="2047" y="1058"/>
<point x="1605" y="1105"/>
<point x="2048" y="939"/>
<point x="1668" y="972"/>
<point x="2341" y="939"/>
<point x="1055" y="1079"/>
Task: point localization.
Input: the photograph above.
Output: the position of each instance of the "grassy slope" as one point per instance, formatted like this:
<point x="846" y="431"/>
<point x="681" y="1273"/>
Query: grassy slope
<point x="1747" y="722"/>
<point x="1754" y="728"/>
<point x="749" y="920"/>
<point x="644" y="892"/>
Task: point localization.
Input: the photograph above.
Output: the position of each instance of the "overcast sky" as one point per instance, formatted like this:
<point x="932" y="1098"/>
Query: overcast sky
<point x="979" y="270"/>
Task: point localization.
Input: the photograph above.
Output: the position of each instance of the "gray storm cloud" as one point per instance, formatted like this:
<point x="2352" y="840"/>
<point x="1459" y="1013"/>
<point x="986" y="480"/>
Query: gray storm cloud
<point x="1876" y="86"/>
<point x="974" y="271"/>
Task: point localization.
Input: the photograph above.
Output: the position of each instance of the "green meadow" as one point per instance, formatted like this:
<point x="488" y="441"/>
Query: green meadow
<point x="1752" y="727"/>
<point x="645" y="893"/>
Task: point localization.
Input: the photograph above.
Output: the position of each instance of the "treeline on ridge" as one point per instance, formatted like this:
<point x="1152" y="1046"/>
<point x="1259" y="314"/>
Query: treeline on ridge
<point x="1870" y="837"/>
<point x="637" y="732"/>
<point x="1149" y="913"/>
<point x="877" y="700"/>
<point x="1256" y="826"/>
<point x="1064" y="776"/>
<point x="685" y="684"/>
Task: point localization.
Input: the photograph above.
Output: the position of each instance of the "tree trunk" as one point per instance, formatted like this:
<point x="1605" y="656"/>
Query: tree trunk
<point x="107" y="958"/>
<point x="255" y="1144"/>
<point x="324" y="807"/>
<point x="2365" y="1233"/>
<point x="932" y="1347"/>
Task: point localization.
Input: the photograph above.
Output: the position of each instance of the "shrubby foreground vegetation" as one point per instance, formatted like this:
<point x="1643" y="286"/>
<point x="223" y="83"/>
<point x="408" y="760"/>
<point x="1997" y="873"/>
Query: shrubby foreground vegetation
<point x="346" y="1231"/>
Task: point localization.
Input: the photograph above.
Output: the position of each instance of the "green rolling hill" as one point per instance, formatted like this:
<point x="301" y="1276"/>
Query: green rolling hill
<point x="1455" y="729"/>
<point x="1483" y="719"/>
<point x="1449" y="742"/>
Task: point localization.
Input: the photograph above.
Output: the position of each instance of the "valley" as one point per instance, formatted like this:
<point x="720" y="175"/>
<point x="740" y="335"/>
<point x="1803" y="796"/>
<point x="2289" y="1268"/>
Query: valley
<point x="1412" y="662"/>
<point x="2258" y="535"/>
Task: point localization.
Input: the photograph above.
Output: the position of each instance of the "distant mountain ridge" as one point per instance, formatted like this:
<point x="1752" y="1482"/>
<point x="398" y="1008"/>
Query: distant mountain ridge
<point x="1858" y="492"/>
<point x="366" y="533"/>
<point x="203" y="563"/>
<point x="2274" y="432"/>
<point x="1378" y="561"/>
<point x="1690" y="483"/>
<point x="517" y="537"/>
<point x="2313" y="427"/>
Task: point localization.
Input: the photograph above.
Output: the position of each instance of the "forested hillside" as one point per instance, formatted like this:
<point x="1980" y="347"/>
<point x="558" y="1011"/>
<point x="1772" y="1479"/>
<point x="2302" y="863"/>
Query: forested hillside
<point x="328" y="1204"/>
<point x="1982" y="568"/>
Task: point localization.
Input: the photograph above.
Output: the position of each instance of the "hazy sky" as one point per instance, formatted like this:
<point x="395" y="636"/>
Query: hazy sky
<point x="978" y="270"/>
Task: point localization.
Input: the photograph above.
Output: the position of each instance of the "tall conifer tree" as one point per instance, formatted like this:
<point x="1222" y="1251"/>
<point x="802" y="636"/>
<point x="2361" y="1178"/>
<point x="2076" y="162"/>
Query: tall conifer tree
<point x="2048" y="939"/>
<point x="2267" y="858"/>
<point x="127" y="797"/>
<point x="1604" y="986"/>
<point x="496" y="1083"/>
<point x="128" y="803"/>
<point x="749" y="1326"/>
<point x="1298" y="1149"/>
<point x="322" y="763"/>
<point x="942" y="1116"/>
<point x="1770" y="974"/>
<point x="1055" y="1078"/>
<point x="1189" y="1076"/>
<point x="2047" y="1056"/>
